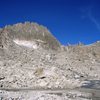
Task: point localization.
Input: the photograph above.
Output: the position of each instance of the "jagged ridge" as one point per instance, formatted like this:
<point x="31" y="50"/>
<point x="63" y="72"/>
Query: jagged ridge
<point x="29" y="32"/>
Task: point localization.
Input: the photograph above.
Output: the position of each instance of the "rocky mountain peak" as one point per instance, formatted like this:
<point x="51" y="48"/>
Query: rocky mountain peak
<point x="30" y="35"/>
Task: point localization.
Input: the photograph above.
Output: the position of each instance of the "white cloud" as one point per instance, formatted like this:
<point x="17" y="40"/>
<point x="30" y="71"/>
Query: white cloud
<point x="94" y="20"/>
<point x="87" y="13"/>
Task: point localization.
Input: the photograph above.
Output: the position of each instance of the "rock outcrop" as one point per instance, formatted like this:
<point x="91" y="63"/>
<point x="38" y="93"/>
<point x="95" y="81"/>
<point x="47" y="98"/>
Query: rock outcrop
<point x="30" y="33"/>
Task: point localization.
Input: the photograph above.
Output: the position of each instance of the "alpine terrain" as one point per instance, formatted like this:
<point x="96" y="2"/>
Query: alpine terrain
<point x="35" y="66"/>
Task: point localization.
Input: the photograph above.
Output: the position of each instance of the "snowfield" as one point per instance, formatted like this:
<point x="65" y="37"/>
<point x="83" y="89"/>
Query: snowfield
<point x="29" y="44"/>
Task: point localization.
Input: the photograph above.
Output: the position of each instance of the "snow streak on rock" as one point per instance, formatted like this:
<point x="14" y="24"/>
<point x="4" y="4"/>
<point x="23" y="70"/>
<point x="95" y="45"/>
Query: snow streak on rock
<point x="29" y="44"/>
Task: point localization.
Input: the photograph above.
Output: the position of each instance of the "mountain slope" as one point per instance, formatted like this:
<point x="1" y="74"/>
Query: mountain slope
<point x="30" y="33"/>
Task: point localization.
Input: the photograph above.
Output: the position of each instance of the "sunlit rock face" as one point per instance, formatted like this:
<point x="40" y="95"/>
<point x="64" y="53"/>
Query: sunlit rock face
<point x="28" y="34"/>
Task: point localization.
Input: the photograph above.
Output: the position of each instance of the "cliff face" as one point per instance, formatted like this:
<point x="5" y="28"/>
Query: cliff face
<point x="29" y="33"/>
<point x="5" y="39"/>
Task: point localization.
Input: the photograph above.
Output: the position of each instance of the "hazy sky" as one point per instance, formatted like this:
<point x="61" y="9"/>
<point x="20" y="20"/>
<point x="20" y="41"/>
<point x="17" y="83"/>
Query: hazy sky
<point x="69" y="21"/>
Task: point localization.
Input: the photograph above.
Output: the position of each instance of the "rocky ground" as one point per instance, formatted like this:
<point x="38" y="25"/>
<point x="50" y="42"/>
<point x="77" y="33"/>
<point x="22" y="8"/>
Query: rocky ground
<point x="35" y="95"/>
<point x="38" y="63"/>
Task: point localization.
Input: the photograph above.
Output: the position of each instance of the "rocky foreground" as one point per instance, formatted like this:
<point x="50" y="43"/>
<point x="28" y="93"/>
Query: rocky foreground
<point x="31" y="58"/>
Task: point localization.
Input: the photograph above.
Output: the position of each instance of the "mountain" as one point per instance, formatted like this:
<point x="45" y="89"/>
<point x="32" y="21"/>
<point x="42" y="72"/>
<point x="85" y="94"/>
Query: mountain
<point x="32" y="58"/>
<point x="28" y="34"/>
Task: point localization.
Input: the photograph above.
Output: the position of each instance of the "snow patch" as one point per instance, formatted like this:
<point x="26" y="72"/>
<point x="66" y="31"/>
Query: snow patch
<point x="29" y="44"/>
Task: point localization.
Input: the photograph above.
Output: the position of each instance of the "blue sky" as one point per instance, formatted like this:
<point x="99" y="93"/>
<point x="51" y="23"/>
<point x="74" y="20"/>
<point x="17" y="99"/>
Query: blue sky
<point x="69" y="21"/>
